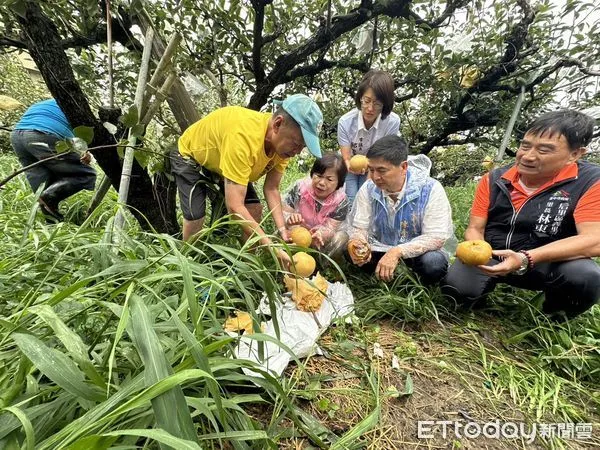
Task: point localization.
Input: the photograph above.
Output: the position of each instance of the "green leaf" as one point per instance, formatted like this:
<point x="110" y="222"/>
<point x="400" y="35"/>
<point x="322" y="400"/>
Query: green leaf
<point x="565" y="339"/>
<point x="130" y="118"/>
<point x="201" y="360"/>
<point x="142" y="156"/>
<point x="123" y="320"/>
<point x="170" y="409"/>
<point x="408" y="385"/>
<point x="138" y="130"/>
<point x="29" y="433"/>
<point x="70" y="340"/>
<point x="68" y="337"/>
<point x="123" y="143"/>
<point x="93" y="442"/>
<point x="137" y="6"/>
<point x="9" y="423"/>
<point x="19" y="7"/>
<point x="129" y="397"/>
<point x="85" y="133"/>
<point x="56" y="366"/>
<point x="161" y="436"/>
<point x="248" y="435"/>
<point x="62" y="146"/>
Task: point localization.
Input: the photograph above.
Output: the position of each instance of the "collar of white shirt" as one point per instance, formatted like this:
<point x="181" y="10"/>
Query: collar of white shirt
<point x="394" y="204"/>
<point x="361" y="122"/>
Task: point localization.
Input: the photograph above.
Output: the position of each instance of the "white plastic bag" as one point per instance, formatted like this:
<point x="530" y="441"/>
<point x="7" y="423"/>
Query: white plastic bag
<point x="299" y="330"/>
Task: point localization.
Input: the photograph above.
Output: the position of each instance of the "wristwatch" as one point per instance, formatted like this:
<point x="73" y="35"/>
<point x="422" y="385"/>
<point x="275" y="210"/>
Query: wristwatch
<point x="524" y="264"/>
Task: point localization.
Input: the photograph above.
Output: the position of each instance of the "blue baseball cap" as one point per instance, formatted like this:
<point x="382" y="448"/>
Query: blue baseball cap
<point x="308" y="115"/>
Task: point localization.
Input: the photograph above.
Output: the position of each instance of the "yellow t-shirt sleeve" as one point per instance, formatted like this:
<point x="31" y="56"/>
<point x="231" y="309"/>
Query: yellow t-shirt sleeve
<point x="236" y="158"/>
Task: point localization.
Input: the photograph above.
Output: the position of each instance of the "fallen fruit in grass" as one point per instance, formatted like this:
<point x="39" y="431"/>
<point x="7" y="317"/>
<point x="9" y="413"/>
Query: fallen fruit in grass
<point x="359" y="250"/>
<point x="359" y="163"/>
<point x="301" y="236"/>
<point x="474" y="253"/>
<point x="303" y="265"/>
<point x="241" y="321"/>
<point x="308" y="295"/>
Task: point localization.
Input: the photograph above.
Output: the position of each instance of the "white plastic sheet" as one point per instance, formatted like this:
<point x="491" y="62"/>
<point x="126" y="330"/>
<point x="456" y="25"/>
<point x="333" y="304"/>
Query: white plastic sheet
<point x="299" y="330"/>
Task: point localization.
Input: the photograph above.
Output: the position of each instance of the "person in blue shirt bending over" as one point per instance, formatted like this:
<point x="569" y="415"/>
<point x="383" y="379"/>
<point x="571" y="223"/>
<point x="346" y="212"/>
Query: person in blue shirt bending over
<point x="34" y="139"/>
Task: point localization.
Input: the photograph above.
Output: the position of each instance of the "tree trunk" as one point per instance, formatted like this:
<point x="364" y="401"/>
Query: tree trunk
<point x="146" y="201"/>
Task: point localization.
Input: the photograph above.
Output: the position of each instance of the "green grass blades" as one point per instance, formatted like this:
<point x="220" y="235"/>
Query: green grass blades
<point x="105" y="347"/>
<point x="170" y="409"/>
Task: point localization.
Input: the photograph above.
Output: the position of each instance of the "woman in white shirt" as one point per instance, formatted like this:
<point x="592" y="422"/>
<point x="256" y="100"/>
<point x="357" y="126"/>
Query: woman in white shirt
<point x="371" y="120"/>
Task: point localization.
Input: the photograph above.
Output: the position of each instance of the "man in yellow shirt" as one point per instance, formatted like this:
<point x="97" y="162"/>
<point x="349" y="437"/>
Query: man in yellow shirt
<point x="239" y="146"/>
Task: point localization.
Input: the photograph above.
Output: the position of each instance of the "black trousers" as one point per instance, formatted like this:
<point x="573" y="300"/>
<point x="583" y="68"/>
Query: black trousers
<point x="430" y="267"/>
<point x="569" y="286"/>
<point x="195" y="183"/>
<point x="62" y="176"/>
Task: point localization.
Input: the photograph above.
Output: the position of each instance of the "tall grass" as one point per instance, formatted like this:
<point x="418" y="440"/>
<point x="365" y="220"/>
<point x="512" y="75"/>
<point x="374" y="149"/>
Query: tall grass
<point x="101" y="345"/>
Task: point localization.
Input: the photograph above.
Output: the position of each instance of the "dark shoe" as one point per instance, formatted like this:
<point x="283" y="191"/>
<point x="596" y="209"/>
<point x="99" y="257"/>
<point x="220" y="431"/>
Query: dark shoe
<point x="52" y="215"/>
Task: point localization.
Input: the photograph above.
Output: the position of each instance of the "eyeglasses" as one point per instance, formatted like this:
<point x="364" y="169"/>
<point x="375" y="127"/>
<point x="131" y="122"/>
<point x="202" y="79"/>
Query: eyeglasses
<point x="366" y="101"/>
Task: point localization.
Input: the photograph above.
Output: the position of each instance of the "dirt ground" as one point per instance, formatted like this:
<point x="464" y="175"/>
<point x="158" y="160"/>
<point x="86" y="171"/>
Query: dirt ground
<point x="437" y="390"/>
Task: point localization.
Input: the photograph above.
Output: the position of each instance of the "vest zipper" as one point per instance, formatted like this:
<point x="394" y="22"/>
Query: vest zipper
<point x="516" y="213"/>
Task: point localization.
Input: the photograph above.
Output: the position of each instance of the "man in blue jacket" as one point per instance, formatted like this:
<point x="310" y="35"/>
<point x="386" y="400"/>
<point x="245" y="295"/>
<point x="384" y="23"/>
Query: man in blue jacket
<point x="401" y="214"/>
<point x="34" y="139"/>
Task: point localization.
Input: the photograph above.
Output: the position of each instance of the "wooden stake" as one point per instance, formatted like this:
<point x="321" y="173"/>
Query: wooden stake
<point x="129" y="152"/>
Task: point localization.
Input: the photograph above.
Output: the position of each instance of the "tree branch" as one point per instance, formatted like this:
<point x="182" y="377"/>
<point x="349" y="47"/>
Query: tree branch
<point x="324" y="35"/>
<point x="259" y="22"/>
<point x="451" y="6"/>
<point x="515" y="41"/>
<point x="399" y="82"/>
<point x="324" y="64"/>
<point x="268" y="38"/>
<point x="461" y="119"/>
<point x="563" y="62"/>
<point x="96" y="36"/>
<point x="6" y="41"/>
<point x="401" y="98"/>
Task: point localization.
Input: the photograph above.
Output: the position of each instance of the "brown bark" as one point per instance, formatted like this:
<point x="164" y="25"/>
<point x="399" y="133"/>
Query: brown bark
<point x="43" y="43"/>
<point x="179" y="100"/>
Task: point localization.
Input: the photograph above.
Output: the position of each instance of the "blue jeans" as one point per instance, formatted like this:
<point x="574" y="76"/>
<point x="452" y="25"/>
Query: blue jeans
<point x="353" y="184"/>
<point x="62" y="176"/>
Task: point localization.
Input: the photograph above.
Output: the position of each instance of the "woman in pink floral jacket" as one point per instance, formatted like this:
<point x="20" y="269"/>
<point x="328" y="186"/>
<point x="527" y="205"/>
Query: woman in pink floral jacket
<point x="318" y="201"/>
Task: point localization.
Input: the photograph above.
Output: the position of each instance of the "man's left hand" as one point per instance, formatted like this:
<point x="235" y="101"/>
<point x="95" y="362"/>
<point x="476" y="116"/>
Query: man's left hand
<point x="387" y="264"/>
<point x="509" y="262"/>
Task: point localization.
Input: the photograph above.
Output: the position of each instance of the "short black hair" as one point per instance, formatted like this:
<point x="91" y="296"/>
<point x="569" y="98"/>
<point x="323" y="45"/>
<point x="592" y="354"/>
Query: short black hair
<point x="392" y="149"/>
<point x="287" y="118"/>
<point x="382" y="84"/>
<point x="575" y="126"/>
<point x="328" y="161"/>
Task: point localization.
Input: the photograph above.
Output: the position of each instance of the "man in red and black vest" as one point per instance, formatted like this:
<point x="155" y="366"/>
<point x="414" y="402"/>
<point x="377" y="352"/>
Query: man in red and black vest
<point x="541" y="216"/>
